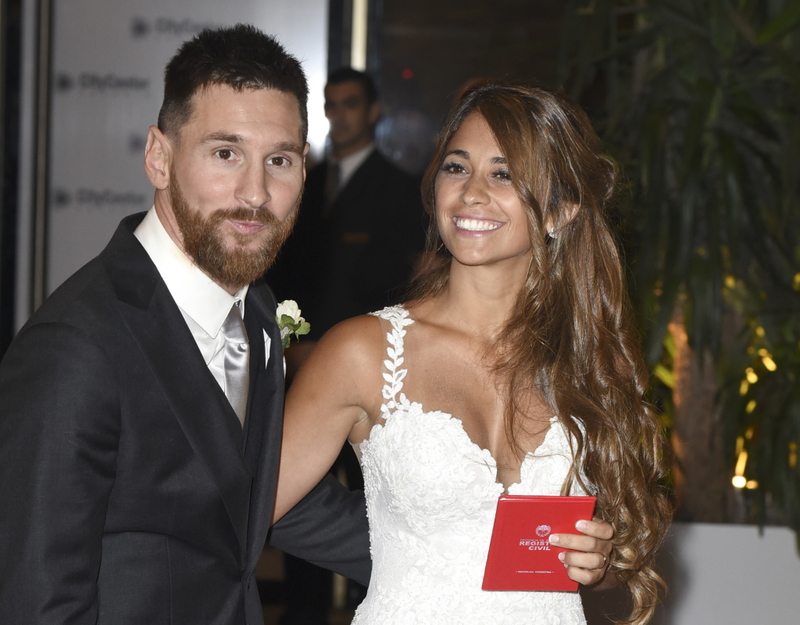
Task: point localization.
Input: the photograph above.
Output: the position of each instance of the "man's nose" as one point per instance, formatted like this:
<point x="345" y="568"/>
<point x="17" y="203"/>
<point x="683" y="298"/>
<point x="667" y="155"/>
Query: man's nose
<point x="253" y="186"/>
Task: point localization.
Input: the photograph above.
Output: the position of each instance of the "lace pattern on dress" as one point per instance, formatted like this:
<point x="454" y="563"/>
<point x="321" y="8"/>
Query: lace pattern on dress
<point x="399" y="318"/>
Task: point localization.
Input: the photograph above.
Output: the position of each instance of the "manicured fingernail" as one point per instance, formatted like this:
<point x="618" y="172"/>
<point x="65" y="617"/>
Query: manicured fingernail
<point x="554" y="538"/>
<point x="581" y="525"/>
<point x="561" y="556"/>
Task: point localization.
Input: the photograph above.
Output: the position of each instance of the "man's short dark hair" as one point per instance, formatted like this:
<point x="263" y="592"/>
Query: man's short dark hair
<point x="348" y="74"/>
<point x="241" y="57"/>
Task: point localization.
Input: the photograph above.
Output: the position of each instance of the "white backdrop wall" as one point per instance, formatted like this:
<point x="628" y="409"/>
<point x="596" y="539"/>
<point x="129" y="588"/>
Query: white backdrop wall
<point x="106" y="89"/>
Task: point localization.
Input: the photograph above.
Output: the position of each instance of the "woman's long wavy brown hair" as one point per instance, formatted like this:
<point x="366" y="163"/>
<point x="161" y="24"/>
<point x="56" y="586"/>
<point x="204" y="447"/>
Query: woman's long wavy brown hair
<point x="571" y="337"/>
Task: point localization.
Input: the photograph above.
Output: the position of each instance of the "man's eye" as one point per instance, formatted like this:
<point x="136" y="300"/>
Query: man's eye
<point x="279" y="161"/>
<point x="225" y="154"/>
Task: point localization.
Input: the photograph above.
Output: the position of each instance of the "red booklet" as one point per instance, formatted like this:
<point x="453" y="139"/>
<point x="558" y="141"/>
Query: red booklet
<point x="520" y="554"/>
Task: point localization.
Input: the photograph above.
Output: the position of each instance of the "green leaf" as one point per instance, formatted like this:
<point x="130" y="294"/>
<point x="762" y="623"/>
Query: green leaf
<point x="782" y="24"/>
<point x="694" y="132"/>
<point x="665" y="375"/>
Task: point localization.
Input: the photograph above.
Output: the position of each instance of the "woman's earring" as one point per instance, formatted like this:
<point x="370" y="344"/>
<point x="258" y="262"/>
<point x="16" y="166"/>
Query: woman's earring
<point x="552" y="234"/>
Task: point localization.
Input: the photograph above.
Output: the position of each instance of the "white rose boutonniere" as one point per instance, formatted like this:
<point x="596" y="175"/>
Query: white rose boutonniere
<point x="290" y="322"/>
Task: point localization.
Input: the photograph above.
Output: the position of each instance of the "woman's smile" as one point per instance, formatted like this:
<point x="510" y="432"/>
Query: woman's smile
<point x="476" y="224"/>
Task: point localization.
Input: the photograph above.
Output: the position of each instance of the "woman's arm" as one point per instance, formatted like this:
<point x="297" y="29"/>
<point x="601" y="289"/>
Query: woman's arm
<point x="331" y="398"/>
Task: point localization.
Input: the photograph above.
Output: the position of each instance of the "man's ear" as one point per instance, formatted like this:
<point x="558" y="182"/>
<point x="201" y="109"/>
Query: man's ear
<point x="305" y="154"/>
<point x="157" y="158"/>
<point x="375" y="112"/>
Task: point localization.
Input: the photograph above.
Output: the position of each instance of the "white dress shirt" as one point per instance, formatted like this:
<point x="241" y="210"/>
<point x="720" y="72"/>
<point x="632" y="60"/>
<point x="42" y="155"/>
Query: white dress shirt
<point x="203" y="303"/>
<point x="349" y="164"/>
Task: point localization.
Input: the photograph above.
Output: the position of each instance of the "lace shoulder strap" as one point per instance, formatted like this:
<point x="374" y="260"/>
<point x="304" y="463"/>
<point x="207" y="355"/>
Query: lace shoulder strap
<point x="399" y="318"/>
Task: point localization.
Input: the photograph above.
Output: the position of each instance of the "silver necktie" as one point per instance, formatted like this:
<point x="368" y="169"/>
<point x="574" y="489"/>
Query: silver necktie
<point x="237" y="358"/>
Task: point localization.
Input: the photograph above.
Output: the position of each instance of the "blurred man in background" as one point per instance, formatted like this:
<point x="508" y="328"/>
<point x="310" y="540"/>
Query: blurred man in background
<point x="358" y="238"/>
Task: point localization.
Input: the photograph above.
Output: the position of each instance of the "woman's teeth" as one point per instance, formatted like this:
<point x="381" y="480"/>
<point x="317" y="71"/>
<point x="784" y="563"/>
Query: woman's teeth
<point x="476" y="225"/>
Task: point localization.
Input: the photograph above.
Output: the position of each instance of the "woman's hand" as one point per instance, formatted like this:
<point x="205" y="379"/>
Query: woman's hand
<point x="589" y="552"/>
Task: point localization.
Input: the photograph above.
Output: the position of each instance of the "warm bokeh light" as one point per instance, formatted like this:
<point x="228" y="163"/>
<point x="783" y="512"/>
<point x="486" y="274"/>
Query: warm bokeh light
<point x="739" y="481"/>
<point x="766" y="358"/>
<point x="751" y="375"/>
<point x="741" y="463"/>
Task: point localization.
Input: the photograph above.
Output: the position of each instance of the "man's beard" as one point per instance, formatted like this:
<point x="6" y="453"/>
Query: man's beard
<point x="205" y="244"/>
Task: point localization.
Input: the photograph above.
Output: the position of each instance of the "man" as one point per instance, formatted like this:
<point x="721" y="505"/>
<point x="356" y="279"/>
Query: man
<point x="361" y="226"/>
<point x="358" y="237"/>
<point x="141" y="419"/>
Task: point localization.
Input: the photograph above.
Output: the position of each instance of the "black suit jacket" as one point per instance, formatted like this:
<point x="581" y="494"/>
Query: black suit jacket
<point x="130" y="493"/>
<point x="358" y="254"/>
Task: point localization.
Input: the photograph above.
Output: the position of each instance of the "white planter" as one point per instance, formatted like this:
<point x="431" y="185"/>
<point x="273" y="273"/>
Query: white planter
<point x="721" y="575"/>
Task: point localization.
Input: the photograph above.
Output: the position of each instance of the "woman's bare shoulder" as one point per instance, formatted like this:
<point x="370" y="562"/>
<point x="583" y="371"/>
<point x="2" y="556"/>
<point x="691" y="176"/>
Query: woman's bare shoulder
<point x="357" y="337"/>
<point x="353" y="346"/>
<point x="345" y="366"/>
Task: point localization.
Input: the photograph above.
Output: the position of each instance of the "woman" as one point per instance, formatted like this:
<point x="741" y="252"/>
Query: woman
<point x="521" y="331"/>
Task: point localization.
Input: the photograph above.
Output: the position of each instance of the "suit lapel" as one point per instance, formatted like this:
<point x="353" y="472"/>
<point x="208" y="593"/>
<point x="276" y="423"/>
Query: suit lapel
<point x="265" y="412"/>
<point x="199" y="405"/>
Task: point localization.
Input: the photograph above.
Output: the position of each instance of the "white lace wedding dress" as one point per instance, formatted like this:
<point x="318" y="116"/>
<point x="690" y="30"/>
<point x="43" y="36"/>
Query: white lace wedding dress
<point x="431" y="498"/>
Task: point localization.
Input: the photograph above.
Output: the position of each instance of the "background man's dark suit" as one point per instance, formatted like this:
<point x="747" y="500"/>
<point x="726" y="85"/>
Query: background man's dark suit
<point x="357" y="254"/>
<point x="124" y="446"/>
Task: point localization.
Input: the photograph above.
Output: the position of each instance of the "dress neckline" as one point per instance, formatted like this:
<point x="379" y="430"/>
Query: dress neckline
<point x="400" y="318"/>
